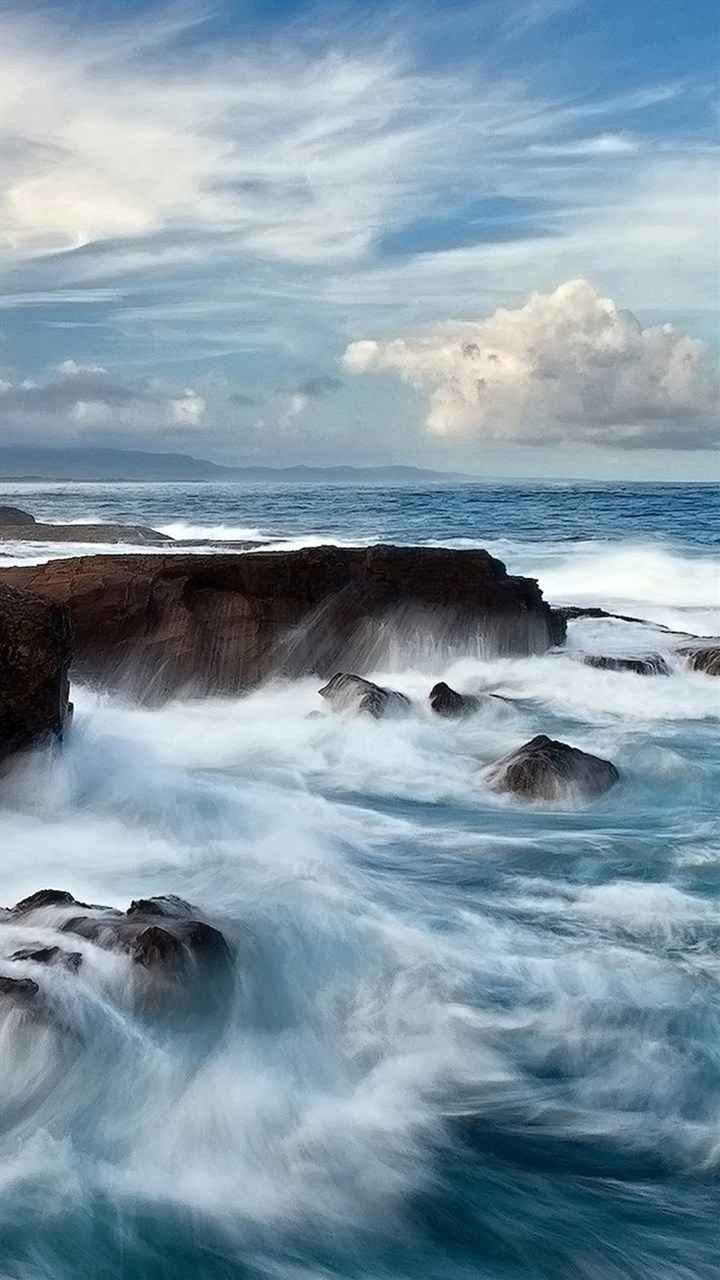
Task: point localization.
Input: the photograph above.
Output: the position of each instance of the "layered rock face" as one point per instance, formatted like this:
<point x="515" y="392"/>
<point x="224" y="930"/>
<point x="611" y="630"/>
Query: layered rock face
<point x="156" y="625"/>
<point x="652" y="665"/>
<point x="705" y="658"/>
<point x="35" y="650"/>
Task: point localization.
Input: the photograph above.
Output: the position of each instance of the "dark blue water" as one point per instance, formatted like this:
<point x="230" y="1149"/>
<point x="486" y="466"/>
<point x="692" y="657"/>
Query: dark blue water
<point x="470" y="1037"/>
<point x="539" y="511"/>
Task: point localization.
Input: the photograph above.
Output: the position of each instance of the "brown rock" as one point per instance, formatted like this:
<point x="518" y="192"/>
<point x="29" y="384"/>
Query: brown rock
<point x="163" y="932"/>
<point x="159" y="624"/>
<point x="451" y="704"/>
<point x="544" y="769"/>
<point x="705" y="658"/>
<point x="34" y="661"/>
<point x="652" y="665"/>
<point x="351" y="693"/>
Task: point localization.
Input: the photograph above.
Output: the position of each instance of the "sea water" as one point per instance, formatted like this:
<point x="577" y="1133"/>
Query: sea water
<point x="469" y="1037"/>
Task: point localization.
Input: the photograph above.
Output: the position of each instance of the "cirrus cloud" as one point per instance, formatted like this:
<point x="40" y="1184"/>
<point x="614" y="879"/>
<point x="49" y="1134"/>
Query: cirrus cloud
<point x="567" y="366"/>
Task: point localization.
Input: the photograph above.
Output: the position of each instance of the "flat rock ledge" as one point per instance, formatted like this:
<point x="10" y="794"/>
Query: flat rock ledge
<point x="156" y="626"/>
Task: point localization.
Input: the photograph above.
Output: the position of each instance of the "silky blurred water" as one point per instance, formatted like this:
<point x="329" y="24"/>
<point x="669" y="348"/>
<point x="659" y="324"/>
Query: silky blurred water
<point x="470" y="1037"/>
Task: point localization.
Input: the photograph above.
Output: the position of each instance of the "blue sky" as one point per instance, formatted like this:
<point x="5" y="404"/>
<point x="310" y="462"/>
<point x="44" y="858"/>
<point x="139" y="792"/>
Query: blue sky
<point x="313" y="233"/>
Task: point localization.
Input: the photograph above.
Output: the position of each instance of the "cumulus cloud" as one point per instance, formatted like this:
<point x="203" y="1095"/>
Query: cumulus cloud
<point x="567" y="366"/>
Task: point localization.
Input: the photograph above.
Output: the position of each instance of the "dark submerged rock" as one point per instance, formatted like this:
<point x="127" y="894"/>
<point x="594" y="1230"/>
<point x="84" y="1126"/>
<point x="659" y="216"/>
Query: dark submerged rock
<point x="352" y="693"/>
<point x="652" y="665"/>
<point x="447" y="702"/>
<point x="35" y="650"/>
<point x="15" y="518"/>
<point x="107" y="534"/>
<point x="50" y="955"/>
<point x="545" y="769"/>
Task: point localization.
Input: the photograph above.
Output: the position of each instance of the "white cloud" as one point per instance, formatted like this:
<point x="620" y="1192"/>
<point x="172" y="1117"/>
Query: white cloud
<point x="188" y="409"/>
<point x="566" y="366"/>
<point x="604" y="144"/>
<point x="71" y="368"/>
<point x="235" y="201"/>
<point x="74" y="399"/>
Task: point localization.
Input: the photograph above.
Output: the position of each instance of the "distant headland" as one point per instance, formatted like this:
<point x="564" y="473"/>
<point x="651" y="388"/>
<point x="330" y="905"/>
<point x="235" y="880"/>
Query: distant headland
<point x="28" y="463"/>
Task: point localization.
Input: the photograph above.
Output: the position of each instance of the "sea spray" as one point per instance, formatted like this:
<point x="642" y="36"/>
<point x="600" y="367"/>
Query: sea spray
<point x="469" y="1036"/>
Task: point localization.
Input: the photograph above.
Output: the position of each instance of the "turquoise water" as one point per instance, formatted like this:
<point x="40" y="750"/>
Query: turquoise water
<point x="469" y="1037"/>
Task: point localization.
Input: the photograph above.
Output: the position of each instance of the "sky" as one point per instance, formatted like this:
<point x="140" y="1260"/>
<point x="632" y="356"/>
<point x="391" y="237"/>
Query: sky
<point x="470" y="236"/>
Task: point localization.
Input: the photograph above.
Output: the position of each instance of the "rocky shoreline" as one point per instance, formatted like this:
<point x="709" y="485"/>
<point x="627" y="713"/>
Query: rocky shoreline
<point x="155" y="627"/>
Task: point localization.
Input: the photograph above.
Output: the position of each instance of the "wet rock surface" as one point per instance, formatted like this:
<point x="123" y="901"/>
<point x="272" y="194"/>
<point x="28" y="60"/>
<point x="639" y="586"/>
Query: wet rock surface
<point x="545" y="769"/>
<point x="21" y="526"/>
<point x="651" y="665"/>
<point x="50" y="955"/>
<point x="17" y="991"/>
<point x="451" y="704"/>
<point x="157" y="625"/>
<point x="164" y="936"/>
<point x="35" y="652"/>
<point x="347" y="692"/>
<point x="705" y="658"/>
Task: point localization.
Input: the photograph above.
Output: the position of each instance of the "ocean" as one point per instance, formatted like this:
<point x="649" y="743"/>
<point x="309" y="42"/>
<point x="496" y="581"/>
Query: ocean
<point x="471" y="1038"/>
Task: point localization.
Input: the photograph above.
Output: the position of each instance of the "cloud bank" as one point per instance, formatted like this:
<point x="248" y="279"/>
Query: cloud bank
<point x="81" y="397"/>
<point x="567" y="366"/>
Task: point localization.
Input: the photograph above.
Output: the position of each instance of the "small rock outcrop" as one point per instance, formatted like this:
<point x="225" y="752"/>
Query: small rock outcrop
<point x="176" y="951"/>
<point x="158" y="625"/>
<point x="451" y="704"/>
<point x="705" y="658"/>
<point x="352" y="693"/>
<point x="652" y="665"/>
<point x="50" y="955"/>
<point x="182" y="941"/>
<point x="15" y="518"/>
<point x="544" y="769"/>
<point x="35" y="651"/>
<point x="18" y="991"/>
<point x="44" y="898"/>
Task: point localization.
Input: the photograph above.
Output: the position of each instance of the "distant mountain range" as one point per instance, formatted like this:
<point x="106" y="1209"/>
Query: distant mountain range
<point x="18" y="462"/>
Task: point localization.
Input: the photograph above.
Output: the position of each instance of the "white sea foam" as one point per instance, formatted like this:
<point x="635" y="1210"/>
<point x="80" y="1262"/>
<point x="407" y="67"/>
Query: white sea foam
<point x="187" y="531"/>
<point x="423" y="969"/>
